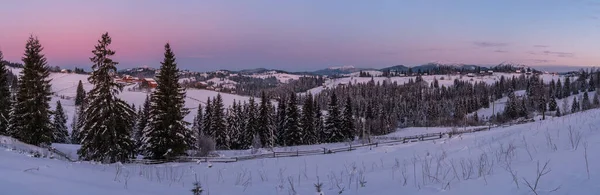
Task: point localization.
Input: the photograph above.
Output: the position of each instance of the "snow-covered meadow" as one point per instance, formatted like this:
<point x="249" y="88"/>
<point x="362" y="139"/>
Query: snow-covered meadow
<point x="499" y="161"/>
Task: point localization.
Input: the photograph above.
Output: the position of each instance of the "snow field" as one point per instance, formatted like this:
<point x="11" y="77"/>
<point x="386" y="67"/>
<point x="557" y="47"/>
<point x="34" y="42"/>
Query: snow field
<point x="478" y="163"/>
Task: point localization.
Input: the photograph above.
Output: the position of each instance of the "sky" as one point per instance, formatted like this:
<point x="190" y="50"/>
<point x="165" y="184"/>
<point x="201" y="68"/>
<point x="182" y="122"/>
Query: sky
<point x="303" y="35"/>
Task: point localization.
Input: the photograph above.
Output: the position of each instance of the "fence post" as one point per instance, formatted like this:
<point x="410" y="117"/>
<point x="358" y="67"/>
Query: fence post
<point x="297" y="153"/>
<point x="274" y="155"/>
<point x="324" y="151"/>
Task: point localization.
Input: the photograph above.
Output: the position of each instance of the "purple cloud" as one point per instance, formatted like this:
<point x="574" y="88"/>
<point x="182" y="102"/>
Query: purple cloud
<point x="489" y="44"/>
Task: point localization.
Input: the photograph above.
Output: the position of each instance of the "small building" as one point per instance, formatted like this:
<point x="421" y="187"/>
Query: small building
<point x="64" y="71"/>
<point x="150" y="82"/>
<point x="470" y="75"/>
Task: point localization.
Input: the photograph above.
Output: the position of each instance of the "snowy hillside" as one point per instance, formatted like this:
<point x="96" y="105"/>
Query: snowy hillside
<point x="443" y="80"/>
<point x="496" y="162"/>
<point x="64" y="86"/>
<point x="281" y="77"/>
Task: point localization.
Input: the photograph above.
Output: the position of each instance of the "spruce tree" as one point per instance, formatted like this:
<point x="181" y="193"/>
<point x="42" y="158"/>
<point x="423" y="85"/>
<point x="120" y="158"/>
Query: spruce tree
<point x="585" y="102"/>
<point x="30" y="120"/>
<point x="292" y="130"/>
<point x="281" y="119"/>
<point x="234" y="125"/>
<point x="61" y="134"/>
<point x="567" y="88"/>
<point x="348" y="127"/>
<point x="333" y="122"/>
<point x="167" y="135"/>
<point x="197" y="123"/>
<point x="552" y="105"/>
<point x="143" y="117"/>
<point x="107" y="119"/>
<point x="80" y="97"/>
<point x="595" y="100"/>
<point x="5" y="101"/>
<point x="265" y="131"/>
<point x="77" y="123"/>
<point x="251" y="118"/>
<point x="307" y="120"/>
<point x="575" y="105"/>
<point x="208" y="120"/>
<point x="218" y="124"/>
<point x="319" y="126"/>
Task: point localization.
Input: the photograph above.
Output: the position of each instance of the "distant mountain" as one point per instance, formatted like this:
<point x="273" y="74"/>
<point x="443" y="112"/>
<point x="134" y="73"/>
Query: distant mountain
<point x="340" y="70"/>
<point x="397" y="68"/>
<point x="258" y="71"/>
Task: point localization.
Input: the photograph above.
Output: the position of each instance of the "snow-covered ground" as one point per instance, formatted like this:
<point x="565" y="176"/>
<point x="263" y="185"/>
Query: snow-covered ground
<point x="443" y="80"/>
<point x="496" y="162"/>
<point x="281" y="77"/>
<point x="64" y="86"/>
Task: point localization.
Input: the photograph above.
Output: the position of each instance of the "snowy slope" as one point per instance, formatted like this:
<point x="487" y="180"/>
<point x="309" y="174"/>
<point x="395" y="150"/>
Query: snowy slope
<point x="64" y="86"/>
<point x="281" y="77"/>
<point x="478" y="163"/>
<point x="443" y="80"/>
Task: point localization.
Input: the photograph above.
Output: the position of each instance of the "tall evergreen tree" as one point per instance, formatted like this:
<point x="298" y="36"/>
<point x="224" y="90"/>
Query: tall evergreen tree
<point x="319" y="126"/>
<point x="197" y="123"/>
<point x="281" y="119"/>
<point x="143" y="117"/>
<point x="348" y="127"/>
<point x="207" y="129"/>
<point x="167" y="134"/>
<point x="333" y="122"/>
<point x="292" y="130"/>
<point x="265" y="130"/>
<point x="585" y="102"/>
<point x="307" y="120"/>
<point x="575" y="106"/>
<point x="80" y="97"/>
<point x="218" y="124"/>
<point x="552" y="105"/>
<point x="77" y="123"/>
<point x="567" y="88"/>
<point x="5" y="102"/>
<point x="30" y="119"/>
<point x="595" y="100"/>
<point x="107" y="119"/>
<point x="234" y="125"/>
<point x="251" y="123"/>
<point x="61" y="134"/>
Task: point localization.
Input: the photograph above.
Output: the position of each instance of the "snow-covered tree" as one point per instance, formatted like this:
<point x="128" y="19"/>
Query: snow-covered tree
<point x="575" y="106"/>
<point x="167" y="135"/>
<point x="77" y="123"/>
<point x="80" y="96"/>
<point x="218" y="124"/>
<point x="318" y="123"/>
<point x="585" y="102"/>
<point x="292" y="129"/>
<point x="265" y="130"/>
<point x="30" y="119"/>
<point x="348" y="127"/>
<point x="333" y="122"/>
<point x="105" y="132"/>
<point x="207" y="129"/>
<point x="307" y="120"/>
<point x="281" y="119"/>
<point x="61" y="134"/>
<point x="5" y="102"/>
<point x="251" y="122"/>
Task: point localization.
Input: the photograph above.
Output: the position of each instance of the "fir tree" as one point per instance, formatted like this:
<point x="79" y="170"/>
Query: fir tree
<point x="281" y="119"/>
<point x="575" y="105"/>
<point x="333" y="122"/>
<point x="5" y="102"/>
<point x="251" y="122"/>
<point x="585" y="102"/>
<point x="167" y="135"/>
<point x="30" y="120"/>
<point x="595" y="100"/>
<point x="197" y="123"/>
<point x="567" y="88"/>
<point x="61" y="134"/>
<point x="142" y="122"/>
<point x="307" y="121"/>
<point x="559" y="90"/>
<point x="558" y="114"/>
<point x="107" y="119"/>
<point x="292" y="130"/>
<point x="552" y="105"/>
<point x="80" y="97"/>
<point x="348" y="127"/>
<point x="319" y="126"/>
<point x="233" y="126"/>
<point x="208" y="120"/>
<point x="77" y="123"/>
<point x="265" y="131"/>
<point x="218" y="124"/>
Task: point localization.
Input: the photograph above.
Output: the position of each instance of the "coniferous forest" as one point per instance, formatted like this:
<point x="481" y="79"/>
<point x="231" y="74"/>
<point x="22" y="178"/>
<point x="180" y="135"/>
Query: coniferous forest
<point x="110" y="130"/>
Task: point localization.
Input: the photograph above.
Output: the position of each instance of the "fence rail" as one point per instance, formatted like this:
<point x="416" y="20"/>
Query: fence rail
<point x="323" y="151"/>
